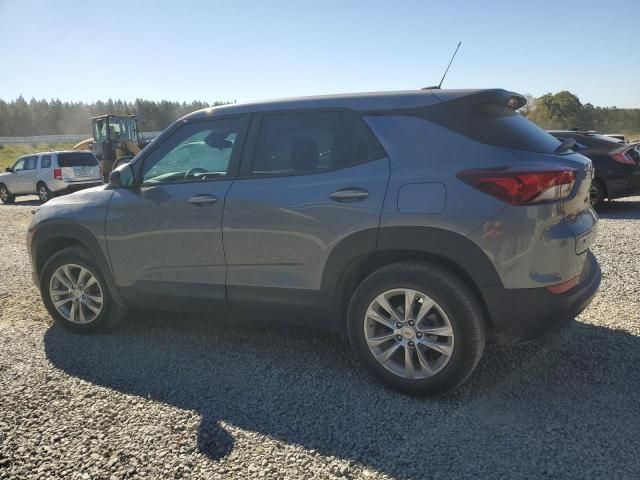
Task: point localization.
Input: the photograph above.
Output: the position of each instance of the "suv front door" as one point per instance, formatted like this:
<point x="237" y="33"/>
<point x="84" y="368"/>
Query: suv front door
<point x="164" y="235"/>
<point x="310" y="191"/>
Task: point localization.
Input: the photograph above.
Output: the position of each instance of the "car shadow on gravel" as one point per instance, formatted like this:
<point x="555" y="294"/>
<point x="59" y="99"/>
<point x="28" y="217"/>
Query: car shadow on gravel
<point x="567" y="400"/>
<point x="624" y="210"/>
<point x="23" y="203"/>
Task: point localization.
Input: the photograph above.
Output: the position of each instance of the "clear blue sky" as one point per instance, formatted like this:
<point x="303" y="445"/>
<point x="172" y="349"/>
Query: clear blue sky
<point x="246" y="50"/>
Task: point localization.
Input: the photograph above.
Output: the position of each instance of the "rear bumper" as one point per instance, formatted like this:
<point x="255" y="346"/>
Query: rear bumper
<point x="74" y="187"/>
<point x="519" y="315"/>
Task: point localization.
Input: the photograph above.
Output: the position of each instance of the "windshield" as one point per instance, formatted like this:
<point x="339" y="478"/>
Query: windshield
<point x="79" y="159"/>
<point x="122" y="128"/>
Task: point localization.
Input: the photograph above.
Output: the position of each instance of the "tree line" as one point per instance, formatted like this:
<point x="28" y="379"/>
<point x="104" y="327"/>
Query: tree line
<point x="19" y="117"/>
<point x="53" y="117"/>
<point x="563" y="110"/>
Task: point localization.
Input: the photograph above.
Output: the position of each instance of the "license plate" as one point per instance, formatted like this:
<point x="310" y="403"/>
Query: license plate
<point x="82" y="172"/>
<point x="584" y="241"/>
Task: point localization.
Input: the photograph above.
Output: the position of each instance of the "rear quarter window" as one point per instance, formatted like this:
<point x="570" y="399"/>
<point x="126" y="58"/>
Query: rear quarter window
<point x="489" y="123"/>
<point x="80" y="159"/>
<point x="503" y="127"/>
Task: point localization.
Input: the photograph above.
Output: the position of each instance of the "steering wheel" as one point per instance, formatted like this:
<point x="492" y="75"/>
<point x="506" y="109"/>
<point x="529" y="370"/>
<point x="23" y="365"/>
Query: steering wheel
<point x="192" y="172"/>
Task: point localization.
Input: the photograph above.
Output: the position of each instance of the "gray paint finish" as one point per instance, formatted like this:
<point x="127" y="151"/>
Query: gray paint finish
<point x="426" y="198"/>
<point x="279" y="231"/>
<point x="155" y="235"/>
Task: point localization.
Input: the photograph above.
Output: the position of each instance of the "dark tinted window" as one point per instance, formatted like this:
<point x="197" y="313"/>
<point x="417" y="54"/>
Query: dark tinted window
<point x="31" y="163"/>
<point x="502" y="126"/>
<point x="79" y="159"/>
<point x="45" y="161"/>
<point x="311" y="142"/>
<point x="490" y="123"/>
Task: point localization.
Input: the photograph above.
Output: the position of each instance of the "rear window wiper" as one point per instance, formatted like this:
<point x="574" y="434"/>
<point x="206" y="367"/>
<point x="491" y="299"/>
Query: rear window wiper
<point x="566" y="145"/>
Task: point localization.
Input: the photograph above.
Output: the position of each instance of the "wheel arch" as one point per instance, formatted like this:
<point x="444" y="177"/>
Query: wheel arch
<point x="396" y="244"/>
<point x="52" y="236"/>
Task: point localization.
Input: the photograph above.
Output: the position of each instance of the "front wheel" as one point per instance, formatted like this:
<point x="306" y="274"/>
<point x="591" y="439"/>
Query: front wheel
<point x="416" y="328"/>
<point x="5" y="195"/>
<point x="75" y="292"/>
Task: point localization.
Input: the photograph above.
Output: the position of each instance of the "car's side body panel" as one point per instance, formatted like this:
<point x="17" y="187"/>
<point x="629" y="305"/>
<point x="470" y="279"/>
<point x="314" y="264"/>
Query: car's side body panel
<point x="529" y="246"/>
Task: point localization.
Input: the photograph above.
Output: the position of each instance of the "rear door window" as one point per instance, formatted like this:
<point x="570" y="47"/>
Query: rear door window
<point x="294" y="143"/>
<point x="45" y="161"/>
<point x="79" y="159"/>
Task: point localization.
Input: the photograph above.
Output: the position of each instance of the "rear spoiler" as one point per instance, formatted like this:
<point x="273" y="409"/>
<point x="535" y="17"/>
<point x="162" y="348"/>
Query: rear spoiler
<point x="496" y="97"/>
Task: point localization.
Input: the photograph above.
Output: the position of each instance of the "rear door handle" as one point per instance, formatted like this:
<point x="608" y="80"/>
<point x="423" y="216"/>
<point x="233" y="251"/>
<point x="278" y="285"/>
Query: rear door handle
<point x="203" y="200"/>
<point x="349" y="195"/>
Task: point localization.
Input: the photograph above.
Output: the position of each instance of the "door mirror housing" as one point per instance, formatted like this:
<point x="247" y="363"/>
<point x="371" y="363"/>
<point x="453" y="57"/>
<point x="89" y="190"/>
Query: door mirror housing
<point x="122" y="177"/>
<point x="9" y="169"/>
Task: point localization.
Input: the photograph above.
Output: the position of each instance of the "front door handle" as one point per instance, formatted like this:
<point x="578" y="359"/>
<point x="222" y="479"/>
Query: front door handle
<point x="349" y="195"/>
<point x="203" y="200"/>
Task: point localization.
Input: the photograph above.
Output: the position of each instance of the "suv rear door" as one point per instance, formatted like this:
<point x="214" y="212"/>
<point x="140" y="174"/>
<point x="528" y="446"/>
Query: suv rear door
<point x="163" y="236"/>
<point x="309" y="182"/>
<point x="79" y="166"/>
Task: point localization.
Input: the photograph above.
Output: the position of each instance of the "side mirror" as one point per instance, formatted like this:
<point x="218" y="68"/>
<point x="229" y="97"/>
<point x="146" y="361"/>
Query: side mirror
<point x="9" y="169"/>
<point x="122" y="177"/>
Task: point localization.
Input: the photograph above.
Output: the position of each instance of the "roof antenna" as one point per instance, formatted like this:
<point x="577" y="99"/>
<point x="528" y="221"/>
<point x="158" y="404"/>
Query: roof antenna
<point x="437" y="87"/>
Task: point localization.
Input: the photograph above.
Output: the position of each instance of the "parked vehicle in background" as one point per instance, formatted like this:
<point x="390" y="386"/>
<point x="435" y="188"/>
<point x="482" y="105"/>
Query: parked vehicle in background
<point x="47" y="174"/>
<point x="414" y="222"/>
<point x="617" y="136"/>
<point x="616" y="163"/>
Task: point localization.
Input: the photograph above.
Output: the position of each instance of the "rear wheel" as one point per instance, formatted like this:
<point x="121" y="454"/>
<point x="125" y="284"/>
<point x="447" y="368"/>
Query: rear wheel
<point x="44" y="194"/>
<point x="5" y="195"/>
<point x="597" y="193"/>
<point x="416" y="328"/>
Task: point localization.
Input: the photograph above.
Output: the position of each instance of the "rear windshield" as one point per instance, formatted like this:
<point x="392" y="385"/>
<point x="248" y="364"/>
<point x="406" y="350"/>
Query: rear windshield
<point x="80" y="159"/>
<point x="502" y="126"/>
<point x="489" y="123"/>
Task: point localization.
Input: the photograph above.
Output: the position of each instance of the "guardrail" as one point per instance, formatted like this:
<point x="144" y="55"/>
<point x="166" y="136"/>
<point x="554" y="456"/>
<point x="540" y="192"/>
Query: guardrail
<point x="49" y="139"/>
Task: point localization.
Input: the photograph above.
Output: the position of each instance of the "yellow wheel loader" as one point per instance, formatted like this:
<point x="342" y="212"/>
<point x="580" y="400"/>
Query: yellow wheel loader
<point x="116" y="139"/>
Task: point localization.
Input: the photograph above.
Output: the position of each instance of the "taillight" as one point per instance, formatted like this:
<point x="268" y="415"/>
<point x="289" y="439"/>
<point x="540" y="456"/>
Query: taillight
<point x="57" y="173"/>
<point x="622" y="157"/>
<point x="522" y="187"/>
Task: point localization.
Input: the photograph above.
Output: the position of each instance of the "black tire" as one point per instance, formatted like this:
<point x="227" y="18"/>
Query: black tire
<point x="44" y="194"/>
<point x="454" y="297"/>
<point x="109" y="316"/>
<point x="597" y="193"/>
<point x="5" y="195"/>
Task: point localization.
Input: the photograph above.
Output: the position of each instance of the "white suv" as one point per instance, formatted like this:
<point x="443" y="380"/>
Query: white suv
<point x="49" y="173"/>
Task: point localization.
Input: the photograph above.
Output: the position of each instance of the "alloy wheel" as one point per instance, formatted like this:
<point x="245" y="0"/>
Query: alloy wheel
<point x="76" y="294"/>
<point x="4" y="194"/>
<point x="408" y="333"/>
<point x="43" y="194"/>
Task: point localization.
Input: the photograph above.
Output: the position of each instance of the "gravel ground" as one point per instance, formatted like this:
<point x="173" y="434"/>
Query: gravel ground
<point x="172" y="397"/>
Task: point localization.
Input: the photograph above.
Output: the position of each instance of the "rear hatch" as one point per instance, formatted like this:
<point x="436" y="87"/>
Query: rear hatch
<point x="546" y="171"/>
<point x="79" y="166"/>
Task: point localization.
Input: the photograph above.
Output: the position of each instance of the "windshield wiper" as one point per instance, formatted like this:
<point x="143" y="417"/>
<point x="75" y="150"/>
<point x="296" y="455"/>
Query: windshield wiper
<point x="566" y="145"/>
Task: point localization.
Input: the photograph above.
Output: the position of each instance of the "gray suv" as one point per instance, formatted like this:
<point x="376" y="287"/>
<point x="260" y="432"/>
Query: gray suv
<point x="416" y="223"/>
<point x="48" y="174"/>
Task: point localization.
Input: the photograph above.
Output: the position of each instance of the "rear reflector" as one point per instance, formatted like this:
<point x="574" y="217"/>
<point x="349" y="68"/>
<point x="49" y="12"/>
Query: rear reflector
<point x="522" y="187"/>
<point x="564" y="286"/>
<point x="57" y="173"/>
